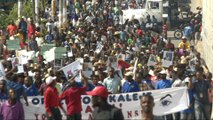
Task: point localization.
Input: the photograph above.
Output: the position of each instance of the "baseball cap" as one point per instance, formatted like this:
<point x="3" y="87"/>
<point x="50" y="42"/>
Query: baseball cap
<point x="99" y="91"/>
<point x="49" y="80"/>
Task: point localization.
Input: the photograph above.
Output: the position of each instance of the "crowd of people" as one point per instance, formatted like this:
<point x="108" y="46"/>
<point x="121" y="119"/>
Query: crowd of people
<point x="89" y="25"/>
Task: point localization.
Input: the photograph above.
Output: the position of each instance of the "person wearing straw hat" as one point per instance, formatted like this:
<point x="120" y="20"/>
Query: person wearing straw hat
<point x="52" y="101"/>
<point x="102" y="109"/>
<point x="130" y="85"/>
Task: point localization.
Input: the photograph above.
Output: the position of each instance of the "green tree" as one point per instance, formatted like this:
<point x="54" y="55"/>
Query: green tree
<point x="13" y="14"/>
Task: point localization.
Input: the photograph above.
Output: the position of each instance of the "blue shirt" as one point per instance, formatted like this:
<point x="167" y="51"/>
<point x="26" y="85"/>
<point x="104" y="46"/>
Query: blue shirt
<point x="49" y="38"/>
<point x="163" y="84"/>
<point x="187" y="31"/>
<point x="90" y="86"/>
<point x="31" y="91"/>
<point x="3" y="97"/>
<point x="23" y="26"/>
<point x="130" y="87"/>
<point x="18" y="87"/>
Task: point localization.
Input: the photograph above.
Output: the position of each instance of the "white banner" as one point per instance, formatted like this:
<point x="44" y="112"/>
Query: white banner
<point x="72" y="69"/>
<point x="166" y="102"/>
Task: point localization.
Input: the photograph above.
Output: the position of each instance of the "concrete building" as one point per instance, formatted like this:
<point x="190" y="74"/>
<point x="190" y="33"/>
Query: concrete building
<point x="207" y="33"/>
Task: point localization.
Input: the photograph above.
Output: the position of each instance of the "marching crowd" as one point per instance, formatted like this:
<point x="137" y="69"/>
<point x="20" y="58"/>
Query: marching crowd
<point x="132" y="43"/>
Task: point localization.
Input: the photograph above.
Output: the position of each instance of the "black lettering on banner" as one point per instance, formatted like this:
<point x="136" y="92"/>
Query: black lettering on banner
<point x="135" y="96"/>
<point x="35" y="101"/>
<point x="121" y="98"/>
<point x="145" y="93"/>
<point x="128" y="98"/>
<point x="42" y="100"/>
<point x="112" y="98"/>
<point x="86" y="100"/>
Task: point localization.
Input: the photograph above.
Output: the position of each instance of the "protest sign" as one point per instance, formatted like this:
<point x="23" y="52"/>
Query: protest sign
<point x="24" y="56"/>
<point x="112" y="62"/>
<point x="152" y="60"/>
<point x="49" y="55"/>
<point x="168" y="58"/>
<point x="59" y="52"/>
<point x="20" y="68"/>
<point x="72" y="69"/>
<point x="46" y="47"/>
<point x="13" y="44"/>
<point x="99" y="48"/>
<point x="54" y="53"/>
<point x="2" y="72"/>
<point x="70" y="53"/>
<point x="166" y="102"/>
<point x="14" y="61"/>
<point x="87" y="69"/>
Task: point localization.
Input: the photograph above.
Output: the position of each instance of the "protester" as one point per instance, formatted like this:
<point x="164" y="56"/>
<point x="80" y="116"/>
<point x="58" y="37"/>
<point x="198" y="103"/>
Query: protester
<point x="12" y="29"/>
<point x="112" y="83"/>
<point x="51" y="100"/>
<point x="103" y="110"/>
<point x="202" y="103"/>
<point x="12" y="109"/>
<point x="3" y="91"/>
<point x="147" y="104"/>
<point x="72" y="98"/>
<point x="130" y="85"/>
<point x="30" y="89"/>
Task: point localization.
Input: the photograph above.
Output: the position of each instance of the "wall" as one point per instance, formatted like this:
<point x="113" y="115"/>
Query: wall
<point x="207" y="24"/>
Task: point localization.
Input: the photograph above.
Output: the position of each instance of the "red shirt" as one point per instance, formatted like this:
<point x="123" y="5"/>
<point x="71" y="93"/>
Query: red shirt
<point x="11" y="29"/>
<point x="51" y="99"/>
<point x="31" y="30"/>
<point x="72" y="98"/>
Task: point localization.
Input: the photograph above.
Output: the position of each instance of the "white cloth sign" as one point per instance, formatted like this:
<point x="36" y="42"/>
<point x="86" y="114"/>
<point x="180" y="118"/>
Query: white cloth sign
<point x="50" y="54"/>
<point x="72" y="69"/>
<point x="166" y="102"/>
<point x="168" y="57"/>
<point x="2" y="72"/>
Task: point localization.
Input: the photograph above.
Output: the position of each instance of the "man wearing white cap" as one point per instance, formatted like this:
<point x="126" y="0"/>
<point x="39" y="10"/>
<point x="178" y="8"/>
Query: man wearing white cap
<point x="51" y="100"/>
<point x="163" y="82"/>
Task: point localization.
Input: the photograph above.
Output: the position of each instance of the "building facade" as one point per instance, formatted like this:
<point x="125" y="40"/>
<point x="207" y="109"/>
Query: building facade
<point x="207" y="32"/>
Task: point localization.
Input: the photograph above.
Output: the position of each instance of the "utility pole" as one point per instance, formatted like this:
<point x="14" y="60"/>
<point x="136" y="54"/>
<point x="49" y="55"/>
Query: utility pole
<point x="42" y="8"/>
<point x="53" y="8"/>
<point x="37" y="10"/>
<point x="33" y="10"/>
<point x="64" y="13"/>
<point x="19" y="8"/>
<point x="60" y="15"/>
